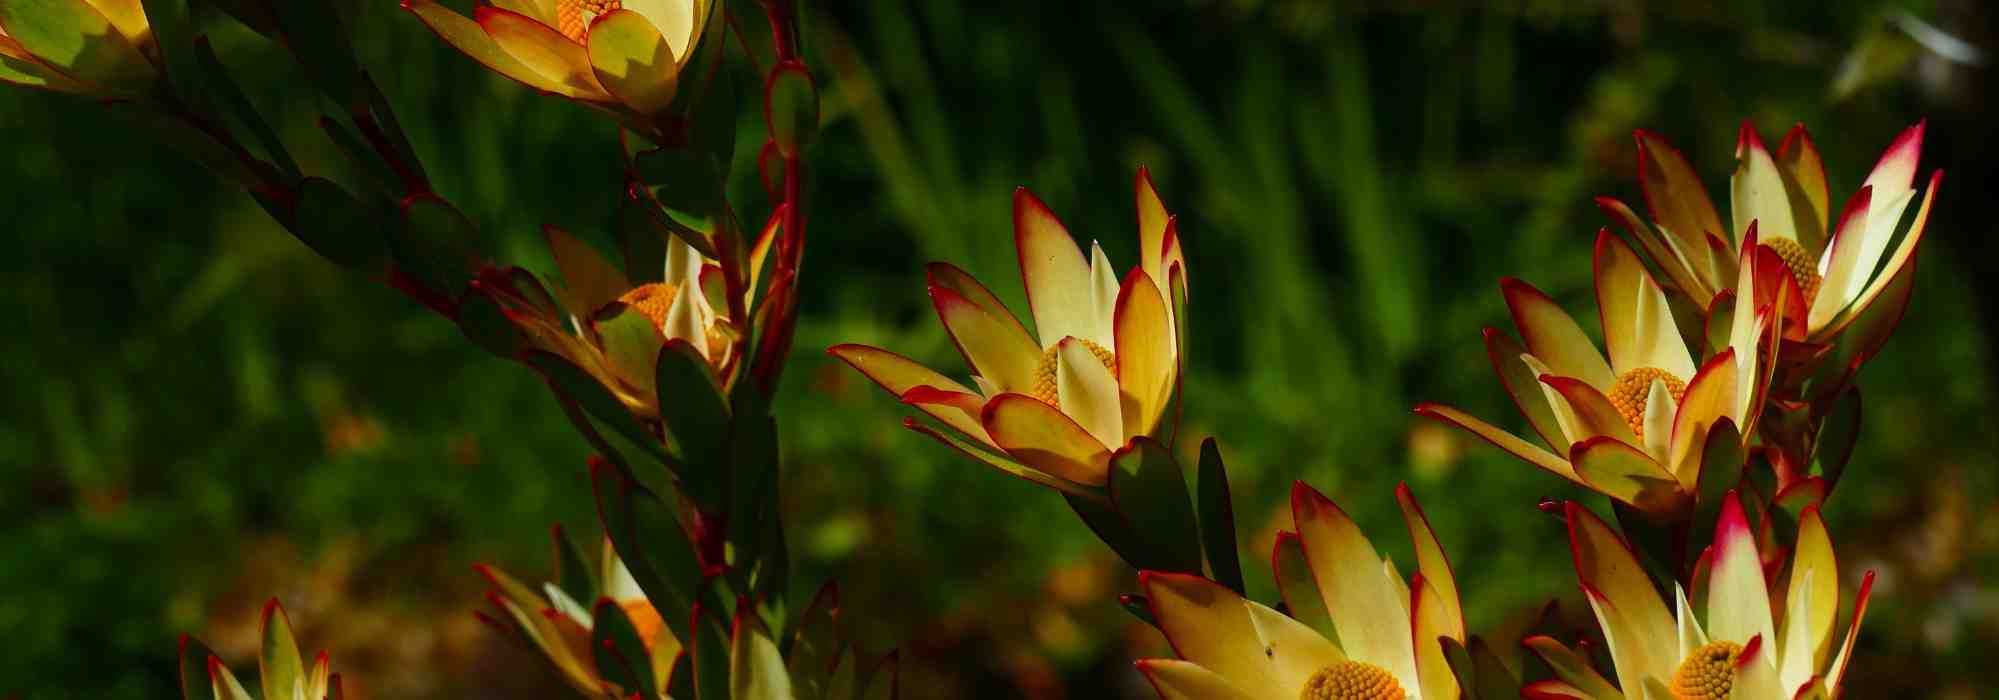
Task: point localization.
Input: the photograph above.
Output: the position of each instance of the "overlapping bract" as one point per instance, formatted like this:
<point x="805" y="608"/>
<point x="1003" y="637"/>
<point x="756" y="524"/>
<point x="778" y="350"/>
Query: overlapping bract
<point x="1101" y="367"/>
<point x="591" y="622"/>
<point x="282" y="672"/>
<point x="1354" y="619"/>
<point x="1633" y="422"/>
<point x="1844" y="266"/>
<point x="1763" y="637"/>
<point x="602" y="323"/>
<point x="625" y="55"/>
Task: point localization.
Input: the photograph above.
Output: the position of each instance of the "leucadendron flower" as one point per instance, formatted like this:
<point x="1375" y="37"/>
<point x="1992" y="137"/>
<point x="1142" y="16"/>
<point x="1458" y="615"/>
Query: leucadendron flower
<point x="1101" y="367"/>
<point x="96" y="48"/>
<point x="1841" y="265"/>
<point x="621" y="54"/>
<point x="282" y="672"/>
<point x="613" y="329"/>
<point x="1357" y="629"/>
<point x="1754" y="642"/>
<point x="592" y="623"/>
<point x="1632" y="423"/>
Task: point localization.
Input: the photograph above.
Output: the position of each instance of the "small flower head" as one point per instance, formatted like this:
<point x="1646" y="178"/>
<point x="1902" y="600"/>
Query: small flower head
<point x="1737" y="649"/>
<point x="1841" y="265"/>
<point x="570" y="618"/>
<point x="1337" y="586"/>
<point x="283" y="672"/>
<point x="1632" y="420"/>
<point x="624" y="55"/>
<point x="1100" y="368"/>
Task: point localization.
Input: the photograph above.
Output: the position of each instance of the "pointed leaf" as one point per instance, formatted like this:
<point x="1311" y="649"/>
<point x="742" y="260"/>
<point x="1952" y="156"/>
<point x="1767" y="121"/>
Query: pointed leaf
<point x="278" y="663"/>
<point x="1147" y="487"/>
<point x="1218" y="533"/>
<point x="632" y="61"/>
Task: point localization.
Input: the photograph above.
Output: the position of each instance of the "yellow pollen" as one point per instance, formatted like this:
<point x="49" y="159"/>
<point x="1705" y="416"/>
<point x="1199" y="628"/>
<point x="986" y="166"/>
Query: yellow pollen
<point x="1351" y="680"/>
<point x="1802" y="266"/>
<point x="1045" y="382"/>
<point x="651" y="300"/>
<point x="1633" y="387"/>
<point x="1708" y="673"/>
<point x="573" y="17"/>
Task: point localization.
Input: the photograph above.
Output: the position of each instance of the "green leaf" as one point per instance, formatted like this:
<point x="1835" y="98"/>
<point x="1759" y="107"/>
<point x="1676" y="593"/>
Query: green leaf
<point x="194" y="681"/>
<point x="76" y="39"/>
<point x="385" y="118"/>
<point x="791" y="108"/>
<point x="172" y="25"/>
<point x="1722" y="460"/>
<point x="434" y="243"/>
<point x="680" y="682"/>
<point x="714" y="120"/>
<point x="1149" y="490"/>
<point x="633" y="61"/>
<point x="1838" y="433"/>
<point x="1110" y="527"/>
<point x="753" y="502"/>
<point x="667" y="587"/>
<point x="278" y="664"/>
<point x="691" y="404"/>
<point x="814" y="642"/>
<point x="643" y="242"/>
<point x="572" y="574"/>
<point x="631" y="342"/>
<point x="211" y="151"/>
<point x="335" y="224"/>
<point x="619" y="652"/>
<point x="576" y="385"/>
<point x="1218" y="536"/>
<point x="687" y="187"/>
<point x="484" y="323"/>
<point x="216" y="79"/>
<point x="756" y="669"/>
<point x="317" y="38"/>
<point x="711" y="658"/>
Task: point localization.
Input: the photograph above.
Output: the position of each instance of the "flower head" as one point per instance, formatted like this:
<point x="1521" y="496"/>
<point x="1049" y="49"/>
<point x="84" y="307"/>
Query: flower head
<point x="594" y="624"/>
<point x="1841" y="266"/>
<point x="1360" y="631"/>
<point x="620" y="54"/>
<point x="283" y="673"/>
<point x="1100" y="368"/>
<point x="1631" y="421"/>
<point x="1752" y="644"/>
<point x="99" y="48"/>
<point x="614" y="329"/>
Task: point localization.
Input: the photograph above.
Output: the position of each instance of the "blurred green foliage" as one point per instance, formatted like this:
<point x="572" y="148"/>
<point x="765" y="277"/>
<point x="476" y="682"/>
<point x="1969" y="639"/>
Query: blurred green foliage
<point x="201" y="413"/>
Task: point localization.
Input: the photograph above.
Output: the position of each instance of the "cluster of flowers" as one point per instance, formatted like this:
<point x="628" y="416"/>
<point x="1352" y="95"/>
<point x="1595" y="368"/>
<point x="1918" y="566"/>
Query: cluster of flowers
<point x="1717" y="418"/>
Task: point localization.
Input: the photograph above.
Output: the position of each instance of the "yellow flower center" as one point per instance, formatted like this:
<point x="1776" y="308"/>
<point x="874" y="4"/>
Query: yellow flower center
<point x="650" y="300"/>
<point x="1802" y="266"/>
<point x="1633" y="387"/>
<point x="1045" y="383"/>
<point x="573" y="17"/>
<point x="1351" y="680"/>
<point x="1708" y="673"/>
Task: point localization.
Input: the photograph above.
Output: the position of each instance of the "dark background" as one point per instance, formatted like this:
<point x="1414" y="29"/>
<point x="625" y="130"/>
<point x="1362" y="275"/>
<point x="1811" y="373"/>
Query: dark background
<point x="200" y="413"/>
